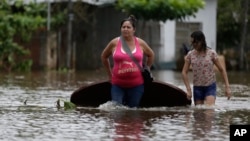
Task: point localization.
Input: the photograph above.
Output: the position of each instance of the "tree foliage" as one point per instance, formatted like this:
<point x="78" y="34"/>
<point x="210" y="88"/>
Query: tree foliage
<point x="20" y="20"/>
<point x="228" y="23"/>
<point x="232" y="30"/>
<point x="160" y="10"/>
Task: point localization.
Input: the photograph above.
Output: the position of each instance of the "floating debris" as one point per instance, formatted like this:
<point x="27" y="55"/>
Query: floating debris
<point x="25" y="102"/>
<point x="67" y="105"/>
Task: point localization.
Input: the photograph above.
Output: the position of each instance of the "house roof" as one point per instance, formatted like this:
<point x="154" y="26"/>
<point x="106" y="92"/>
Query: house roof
<point x="93" y="2"/>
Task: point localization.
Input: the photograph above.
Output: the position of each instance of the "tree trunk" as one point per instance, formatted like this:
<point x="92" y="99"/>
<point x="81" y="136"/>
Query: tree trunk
<point x="69" y="40"/>
<point x="243" y="33"/>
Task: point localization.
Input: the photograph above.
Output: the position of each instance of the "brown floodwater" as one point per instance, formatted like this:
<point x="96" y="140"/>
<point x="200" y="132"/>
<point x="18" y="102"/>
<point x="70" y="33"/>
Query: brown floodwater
<point x="28" y="111"/>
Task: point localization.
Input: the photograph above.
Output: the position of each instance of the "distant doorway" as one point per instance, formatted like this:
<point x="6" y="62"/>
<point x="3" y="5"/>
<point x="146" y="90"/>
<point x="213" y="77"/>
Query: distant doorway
<point x="182" y="32"/>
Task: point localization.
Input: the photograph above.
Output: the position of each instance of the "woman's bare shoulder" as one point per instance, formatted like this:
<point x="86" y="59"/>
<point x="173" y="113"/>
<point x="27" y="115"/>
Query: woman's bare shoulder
<point x="140" y="40"/>
<point x="142" y="43"/>
<point x="114" y="41"/>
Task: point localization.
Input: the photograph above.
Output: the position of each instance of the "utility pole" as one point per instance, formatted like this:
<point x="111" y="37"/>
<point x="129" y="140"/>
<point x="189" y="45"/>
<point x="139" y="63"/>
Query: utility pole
<point x="69" y="48"/>
<point x="48" y="15"/>
<point x="243" y="33"/>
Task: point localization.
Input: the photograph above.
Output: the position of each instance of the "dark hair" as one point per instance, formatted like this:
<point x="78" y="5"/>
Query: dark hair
<point x="199" y="36"/>
<point x="131" y="19"/>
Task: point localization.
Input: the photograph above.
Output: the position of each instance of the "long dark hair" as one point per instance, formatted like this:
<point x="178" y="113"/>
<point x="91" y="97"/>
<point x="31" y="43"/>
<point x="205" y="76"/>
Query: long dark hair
<point x="131" y="19"/>
<point x="199" y="36"/>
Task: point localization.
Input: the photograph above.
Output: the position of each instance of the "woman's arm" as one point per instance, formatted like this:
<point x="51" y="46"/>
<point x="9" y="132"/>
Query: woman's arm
<point x="185" y="70"/>
<point x="106" y="53"/>
<point x="224" y="75"/>
<point x="148" y="52"/>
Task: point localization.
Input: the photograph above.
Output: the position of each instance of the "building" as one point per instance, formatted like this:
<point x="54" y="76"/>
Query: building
<point x="89" y="39"/>
<point x="176" y="33"/>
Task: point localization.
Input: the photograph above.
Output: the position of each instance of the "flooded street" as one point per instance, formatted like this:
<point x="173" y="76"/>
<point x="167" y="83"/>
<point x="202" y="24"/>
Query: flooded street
<point x="28" y="111"/>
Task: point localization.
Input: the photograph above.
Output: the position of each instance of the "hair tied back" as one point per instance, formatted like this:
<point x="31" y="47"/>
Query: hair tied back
<point x="132" y="18"/>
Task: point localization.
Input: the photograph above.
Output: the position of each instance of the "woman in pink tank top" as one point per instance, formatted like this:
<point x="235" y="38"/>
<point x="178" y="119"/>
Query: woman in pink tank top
<point x="126" y="79"/>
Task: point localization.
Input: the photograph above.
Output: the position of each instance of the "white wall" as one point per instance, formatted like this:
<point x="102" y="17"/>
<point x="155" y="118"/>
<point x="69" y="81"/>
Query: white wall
<point x="206" y="16"/>
<point x="167" y="51"/>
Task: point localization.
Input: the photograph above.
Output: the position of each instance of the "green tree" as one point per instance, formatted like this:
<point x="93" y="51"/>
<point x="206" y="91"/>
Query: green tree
<point x="228" y="24"/>
<point x="160" y="10"/>
<point x="232" y="31"/>
<point x="17" y="20"/>
<point x="20" y="20"/>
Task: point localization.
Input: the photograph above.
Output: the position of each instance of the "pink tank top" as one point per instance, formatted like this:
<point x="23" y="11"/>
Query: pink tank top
<point x="125" y="71"/>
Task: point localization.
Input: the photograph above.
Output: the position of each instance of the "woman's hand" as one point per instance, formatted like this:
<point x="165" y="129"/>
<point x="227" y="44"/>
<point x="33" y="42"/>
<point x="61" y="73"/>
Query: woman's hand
<point x="228" y="93"/>
<point x="189" y="94"/>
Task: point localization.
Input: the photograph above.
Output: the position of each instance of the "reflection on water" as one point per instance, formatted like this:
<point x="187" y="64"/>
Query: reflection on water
<point x="128" y="125"/>
<point x="28" y="111"/>
<point x="203" y="123"/>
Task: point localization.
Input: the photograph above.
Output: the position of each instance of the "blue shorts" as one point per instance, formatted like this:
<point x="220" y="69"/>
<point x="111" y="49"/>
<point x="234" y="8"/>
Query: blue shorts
<point x="201" y="92"/>
<point x="127" y="96"/>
